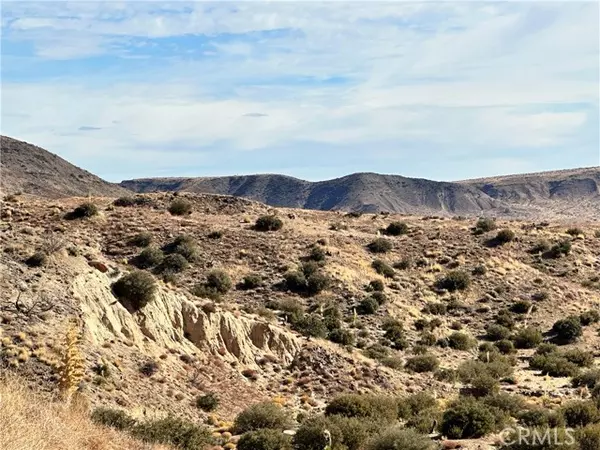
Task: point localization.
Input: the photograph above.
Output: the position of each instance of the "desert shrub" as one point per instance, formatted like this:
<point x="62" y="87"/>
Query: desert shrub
<point x="394" y="333"/>
<point x="346" y="433"/>
<point x="588" y="437"/>
<point x="447" y="375"/>
<point x="316" y="283"/>
<point x="413" y="404"/>
<point x="505" y="236"/>
<point x="528" y="338"/>
<point x="497" y="369"/>
<point x="467" y="419"/>
<point x="251" y="281"/>
<point x="455" y="280"/>
<point x="460" y="341"/>
<point x="534" y="417"/>
<point x="541" y="246"/>
<point x="219" y="281"/>
<point x="559" y="249"/>
<point x="180" y="207"/>
<point x="579" y="413"/>
<point x="422" y="363"/>
<point x="521" y="307"/>
<point x="396" y="229"/>
<point x="378" y="407"/>
<point x="427" y="339"/>
<point x="208" y="402"/>
<point x="589" y="378"/>
<point x="404" y="264"/>
<point x="567" y="330"/>
<point x="380" y="245"/>
<point x="483" y="385"/>
<point x="382" y="268"/>
<point x="113" y="418"/>
<point x="216" y="234"/>
<point x="508" y="403"/>
<point x="505" y="346"/>
<point x="579" y="357"/>
<point x="399" y="438"/>
<point x="575" y="231"/>
<point x="375" y="286"/>
<point x="546" y="348"/>
<point x="589" y="317"/>
<point x="264" y="440"/>
<point x="505" y="319"/>
<point x="367" y="305"/>
<point x="38" y="259"/>
<point x="135" y="289"/>
<point x="554" y="365"/>
<point x="480" y="269"/>
<point x="310" y="325"/>
<point x="295" y="281"/>
<point x="268" y="223"/>
<point x="341" y="336"/>
<point x="317" y="254"/>
<point x="262" y="415"/>
<point x="173" y="263"/>
<point x="149" y="257"/>
<point x="437" y="309"/>
<point x="124" y="201"/>
<point x="142" y="239"/>
<point x="149" y="368"/>
<point x="495" y="332"/>
<point x="393" y="362"/>
<point x="485" y="224"/>
<point x="173" y="431"/>
<point x="85" y="210"/>
<point x="379" y="297"/>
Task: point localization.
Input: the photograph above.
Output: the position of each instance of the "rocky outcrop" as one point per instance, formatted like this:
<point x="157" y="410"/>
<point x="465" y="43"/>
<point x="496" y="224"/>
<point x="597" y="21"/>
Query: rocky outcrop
<point x="172" y="321"/>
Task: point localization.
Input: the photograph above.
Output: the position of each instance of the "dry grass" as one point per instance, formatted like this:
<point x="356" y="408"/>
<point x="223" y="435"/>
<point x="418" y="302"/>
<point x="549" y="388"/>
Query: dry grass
<point x="30" y="422"/>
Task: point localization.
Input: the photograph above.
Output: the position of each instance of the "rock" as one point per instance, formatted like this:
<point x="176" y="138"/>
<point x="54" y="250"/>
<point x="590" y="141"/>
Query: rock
<point x="99" y="266"/>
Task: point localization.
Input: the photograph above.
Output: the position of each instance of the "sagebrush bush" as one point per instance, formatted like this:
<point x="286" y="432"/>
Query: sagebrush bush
<point x="554" y="365"/>
<point x="460" y="341"/>
<point x="219" y="281"/>
<point x="376" y="286"/>
<point x="383" y="268"/>
<point x="268" y="223"/>
<point x="589" y="378"/>
<point x="183" y="245"/>
<point x="467" y="419"/>
<point x="136" y="289"/>
<point x="422" y="363"/>
<point x="113" y="418"/>
<point x="562" y="248"/>
<point x="316" y="283"/>
<point x="180" y="207"/>
<point x="207" y="402"/>
<point x="264" y="440"/>
<point x="396" y="229"/>
<point x="260" y="416"/>
<point x="455" y="280"/>
<point x="341" y="336"/>
<point x="317" y="254"/>
<point x="311" y="325"/>
<point x="174" y="431"/>
<point x="528" y="338"/>
<point x="495" y="332"/>
<point x="380" y="245"/>
<point x="588" y="437"/>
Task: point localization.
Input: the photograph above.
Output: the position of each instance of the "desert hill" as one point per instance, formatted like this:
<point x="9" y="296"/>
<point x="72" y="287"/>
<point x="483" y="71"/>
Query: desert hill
<point x="30" y="169"/>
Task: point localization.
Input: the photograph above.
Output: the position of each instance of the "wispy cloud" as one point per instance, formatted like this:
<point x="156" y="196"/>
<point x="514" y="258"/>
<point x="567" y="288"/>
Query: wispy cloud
<point x="472" y="88"/>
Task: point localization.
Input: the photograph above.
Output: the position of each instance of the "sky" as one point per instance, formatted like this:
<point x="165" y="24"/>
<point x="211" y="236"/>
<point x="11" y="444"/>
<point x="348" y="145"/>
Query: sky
<point x="316" y="90"/>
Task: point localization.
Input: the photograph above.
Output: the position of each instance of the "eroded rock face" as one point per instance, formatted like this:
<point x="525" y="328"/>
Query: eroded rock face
<point x="172" y="321"/>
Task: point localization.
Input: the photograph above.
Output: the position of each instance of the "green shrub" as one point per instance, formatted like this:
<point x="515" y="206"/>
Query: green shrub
<point x="589" y="378"/>
<point x="135" y="290"/>
<point x="541" y="246"/>
<point x="437" y="309"/>
<point x="567" y="330"/>
<point x="485" y="224"/>
<point x="367" y="305"/>
<point x="376" y="286"/>
<point x="508" y="403"/>
<point x="579" y="357"/>
<point x="404" y="264"/>
<point x="311" y="325"/>
<point x="124" y="201"/>
<point x="534" y="417"/>
<point x="113" y="418"/>
<point x="262" y="415"/>
<point x="588" y="437"/>
<point x="505" y="346"/>
<point x="422" y="363"/>
<point x="396" y="229"/>
<point x="346" y="433"/>
<point x="394" y="333"/>
<point x="455" y="280"/>
<point x="180" y="207"/>
<point x="251" y="281"/>
<point x="505" y="319"/>
<point x="378" y="407"/>
<point x="173" y="263"/>
<point x="316" y="283"/>
<point x="589" y="317"/>
<point x="505" y="236"/>
<point x="415" y="403"/>
<point x="528" y="338"/>
<point x="460" y="341"/>
<point x="149" y="257"/>
<point x="264" y="440"/>
<point x="380" y="245"/>
<point x="554" y="365"/>
<point x="208" y="402"/>
<point x="483" y="385"/>
<point x="317" y="254"/>
<point x="85" y="210"/>
<point x="216" y="234"/>
<point x="467" y="419"/>
<point x="579" y="413"/>
<point x="341" y="336"/>
<point x="295" y="281"/>
<point x="268" y="223"/>
<point x="399" y="438"/>
<point x="521" y="307"/>
<point x="480" y="269"/>
<point x="219" y="281"/>
<point x="495" y="332"/>
<point x="143" y="239"/>
<point x="559" y="249"/>
<point x="382" y="268"/>
<point x="173" y="431"/>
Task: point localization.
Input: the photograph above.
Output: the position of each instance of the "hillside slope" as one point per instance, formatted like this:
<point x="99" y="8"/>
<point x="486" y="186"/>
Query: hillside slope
<point x="366" y="192"/>
<point x="30" y="169"/>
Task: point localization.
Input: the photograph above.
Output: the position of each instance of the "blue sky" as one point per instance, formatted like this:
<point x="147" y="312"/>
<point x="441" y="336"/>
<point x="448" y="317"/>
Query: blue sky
<point x="317" y="90"/>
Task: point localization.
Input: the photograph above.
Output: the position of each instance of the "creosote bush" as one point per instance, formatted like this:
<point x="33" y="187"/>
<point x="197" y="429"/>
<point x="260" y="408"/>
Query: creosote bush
<point x="260" y="416"/>
<point x="113" y="418"/>
<point x="460" y="341"/>
<point x="378" y="407"/>
<point x="422" y="363"/>
<point x="219" y="281"/>
<point x="268" y="223"/>
<point x="251" y="281"/>
<point x="528" y="338"/>
<point x="180" y="207"/>
<point x="455" y="280"/>
<point x="396" y="229"/>
<point x="380" y="245"/>
<point x="467" y="419"/>
<point x="135" y="290"/>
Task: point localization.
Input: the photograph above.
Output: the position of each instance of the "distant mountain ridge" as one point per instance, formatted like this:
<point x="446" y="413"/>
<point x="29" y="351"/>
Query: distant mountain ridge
<point x="30" y="169"/>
